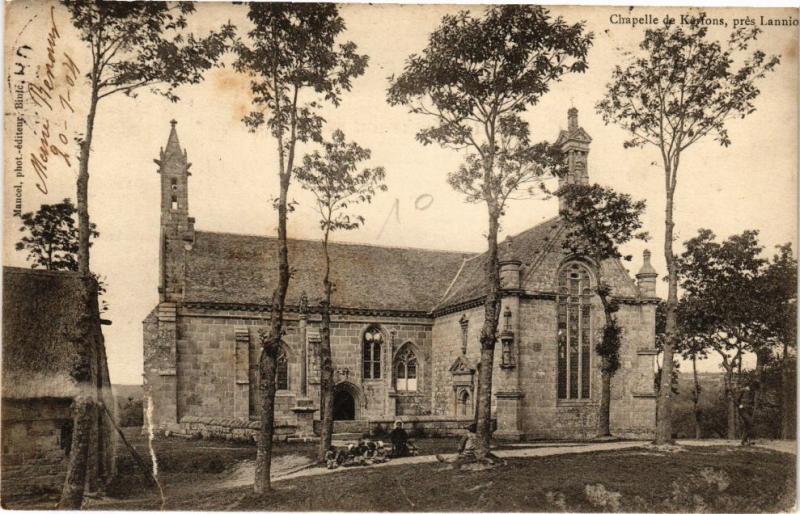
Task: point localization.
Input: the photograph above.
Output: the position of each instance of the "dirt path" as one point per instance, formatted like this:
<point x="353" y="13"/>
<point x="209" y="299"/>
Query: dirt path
<point x="246" y="473"/>
<point x="778" y="445"/>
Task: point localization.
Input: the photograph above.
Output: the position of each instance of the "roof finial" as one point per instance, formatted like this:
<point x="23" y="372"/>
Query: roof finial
<point x="572" y="118"/>
<point x="173" y="146"/>
<point x="173" y="122"/>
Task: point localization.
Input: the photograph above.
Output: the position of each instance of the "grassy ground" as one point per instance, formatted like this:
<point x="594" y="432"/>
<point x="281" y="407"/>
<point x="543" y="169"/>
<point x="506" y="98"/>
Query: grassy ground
<point x="717" y="479"/>
<point x="198" y="475"/>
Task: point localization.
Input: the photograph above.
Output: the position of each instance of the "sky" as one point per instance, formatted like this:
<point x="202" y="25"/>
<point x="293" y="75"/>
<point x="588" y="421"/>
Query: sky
<point x="752" y="184"/>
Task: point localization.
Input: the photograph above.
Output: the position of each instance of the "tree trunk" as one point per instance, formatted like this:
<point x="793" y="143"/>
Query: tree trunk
<point x="270" y="346"/>
<point x="761" y="357"/>
<point x="488" y="339"/>
<point x="266" y="367"/>
<point x="787" y="396"/>
<point x="663" y="405"/>
<point x="74" y="484"/>
<point x="326" y="361"/>
<point x="730" y="401"/>
<point x="84" y="414"/>
<point x="604" y="418"/>
<point x="84" y="230"/>
<point x="698" y="433"/>
<point x="93" y="456"/>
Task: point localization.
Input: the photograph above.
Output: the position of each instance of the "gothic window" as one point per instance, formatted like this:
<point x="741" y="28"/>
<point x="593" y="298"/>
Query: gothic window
<point x="282" y="372"/>
<point x="405" y="370"/>
<point x="174" y="203"/>
<point x="573" y="336"/>
<point x="373" y="339"/>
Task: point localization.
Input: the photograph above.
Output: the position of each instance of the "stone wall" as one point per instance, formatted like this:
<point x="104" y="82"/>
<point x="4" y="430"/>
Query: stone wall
<point x="34" y="461"/>
<point x="632" y="403"/>
<point x="227" y="428"/>
<point x="540" y="413"/>
<point x="216" y="365"/>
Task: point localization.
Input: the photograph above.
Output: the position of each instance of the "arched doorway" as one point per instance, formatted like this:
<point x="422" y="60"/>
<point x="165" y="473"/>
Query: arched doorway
<point x="344" y="405"/>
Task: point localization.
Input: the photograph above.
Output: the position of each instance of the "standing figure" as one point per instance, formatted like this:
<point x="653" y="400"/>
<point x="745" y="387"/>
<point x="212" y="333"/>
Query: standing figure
<point x="399" y="438"/>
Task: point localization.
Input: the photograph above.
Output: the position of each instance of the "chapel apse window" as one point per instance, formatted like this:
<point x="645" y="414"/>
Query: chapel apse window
<point x="574" y="336"/>
<point x="373" y="339"/>
<point x="405" y="370"/>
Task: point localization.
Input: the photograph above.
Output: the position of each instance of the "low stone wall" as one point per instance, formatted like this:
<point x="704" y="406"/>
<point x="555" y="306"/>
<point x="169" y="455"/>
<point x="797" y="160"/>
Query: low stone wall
<point x="416" y="426"/>
<point x="34" y="461"/>
<point x="226" y="428"/>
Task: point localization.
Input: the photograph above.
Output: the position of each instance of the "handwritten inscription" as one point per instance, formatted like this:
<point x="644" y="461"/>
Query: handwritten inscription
<point x="56" y="102"/>
<point x="421" y="203"/>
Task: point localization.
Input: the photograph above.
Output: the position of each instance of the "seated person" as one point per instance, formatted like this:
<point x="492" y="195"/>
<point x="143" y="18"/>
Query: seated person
<point x="380" y="454"/>
<point x="466" y="448"/>
<point x="399" y="438"/>
<point x="332" y="458"/>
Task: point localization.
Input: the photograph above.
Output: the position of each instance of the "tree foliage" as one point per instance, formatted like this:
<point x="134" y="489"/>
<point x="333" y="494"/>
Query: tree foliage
<point x="144" y="44"/>
<point x="52" y="236"/>
<point x="337" y="184"/>
<point x="714" y="275"/>
<point x="293" y="47"/>
<point x="680" y="87"/>
<point x="733" y="301"/>
<point x="683" y="86"/>
<point x="474" y="80"/>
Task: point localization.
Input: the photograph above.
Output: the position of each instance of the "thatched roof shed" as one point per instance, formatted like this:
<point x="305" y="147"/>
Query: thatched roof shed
<point x="44" y="328"/>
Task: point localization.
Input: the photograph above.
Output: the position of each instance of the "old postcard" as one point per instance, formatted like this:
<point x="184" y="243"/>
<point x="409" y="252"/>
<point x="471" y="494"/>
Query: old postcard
<point x="316" y="257"/>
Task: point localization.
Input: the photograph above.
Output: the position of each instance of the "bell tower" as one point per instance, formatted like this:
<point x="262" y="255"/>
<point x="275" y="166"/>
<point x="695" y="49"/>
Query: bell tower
<point x="574" y="144"/>
<point x="177" y="227"/>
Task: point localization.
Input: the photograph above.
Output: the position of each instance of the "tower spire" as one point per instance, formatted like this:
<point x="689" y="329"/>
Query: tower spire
<point x="574" y="144"/>
<point x="177" y="227"/>
<point x="173" y="148"/>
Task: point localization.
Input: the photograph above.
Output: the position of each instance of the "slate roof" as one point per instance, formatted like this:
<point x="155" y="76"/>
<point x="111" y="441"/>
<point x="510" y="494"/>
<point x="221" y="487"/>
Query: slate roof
<point x="528" y="247"/>
<point x="243" y="269"/>
<point x="541" y="253"/>
<point x="42" y="311"/>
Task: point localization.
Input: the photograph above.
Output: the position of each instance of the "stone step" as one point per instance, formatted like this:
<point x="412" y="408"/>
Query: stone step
<point x="346" y="436"/>
<point x="302" y="439"/>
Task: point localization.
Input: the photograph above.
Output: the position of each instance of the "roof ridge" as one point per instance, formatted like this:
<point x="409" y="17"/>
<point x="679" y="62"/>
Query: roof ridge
<point x="40" y="271"/>
<point x="343" y="243"/>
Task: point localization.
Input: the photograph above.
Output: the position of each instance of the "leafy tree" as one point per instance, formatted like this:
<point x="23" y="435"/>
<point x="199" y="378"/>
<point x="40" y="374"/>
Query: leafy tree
<point x="337" y="184"/>
<point x="52" y="239"/>
<point x="133" y="45"/>
<point x="599" y="221"/>
<point x="291" y="52"/>
<point x="681" y="87"/>
<point x="715" y="277"/>
<point x="474" y="80"/>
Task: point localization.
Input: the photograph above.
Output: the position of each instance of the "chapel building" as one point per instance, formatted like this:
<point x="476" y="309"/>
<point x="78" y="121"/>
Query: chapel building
<point x="405" y="330"/>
